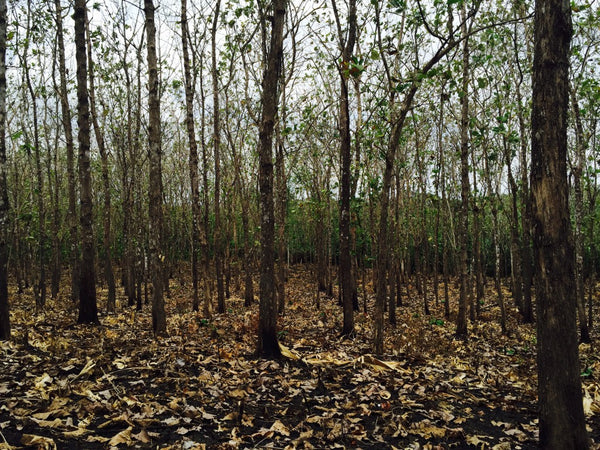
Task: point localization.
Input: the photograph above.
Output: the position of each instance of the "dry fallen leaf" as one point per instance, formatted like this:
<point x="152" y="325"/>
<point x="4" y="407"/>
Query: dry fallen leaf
<point x="123" y="437"/>
<point x="39" y="442"/>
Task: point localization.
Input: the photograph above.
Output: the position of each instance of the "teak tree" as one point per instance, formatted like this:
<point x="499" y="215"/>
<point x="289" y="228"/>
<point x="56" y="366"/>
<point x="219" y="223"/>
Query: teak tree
<point x="70" y="147"/>
<point x="106" y="213"/>
<point x="218" y="232"/>
<point x="193" y="156"/>
<point x="562" y="422"/>
<point x="268" y="345"/>
<point x="4" y="224"/>
<point x="159" y="320"/>
<point x="88" y="309"/>
<point x="346" y="70"/>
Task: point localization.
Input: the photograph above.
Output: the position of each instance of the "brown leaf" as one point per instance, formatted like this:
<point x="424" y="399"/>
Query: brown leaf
<point x="39" y="442"/>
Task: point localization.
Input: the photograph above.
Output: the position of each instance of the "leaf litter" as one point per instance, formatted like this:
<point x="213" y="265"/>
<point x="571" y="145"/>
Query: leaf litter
<point x="116" y="386"/>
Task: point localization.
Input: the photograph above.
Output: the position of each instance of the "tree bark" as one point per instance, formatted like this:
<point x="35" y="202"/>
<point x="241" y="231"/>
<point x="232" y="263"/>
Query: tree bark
<point x="584" y="332"/>
<point x="109" y="275"/>
<point x="156" y="257"/>
<point x="40" y="286"/>
<point x="268" y="345"/>
<point x="346" y="283"/>
<point x="193" y="154"/>
<point x="4" y="205"/>
<point x="88" y="310"/>
<point x="526" y="253"/>
<point x="218" y="232"/>
<point x="562" y="422"/>
<point x="463" y="224"/>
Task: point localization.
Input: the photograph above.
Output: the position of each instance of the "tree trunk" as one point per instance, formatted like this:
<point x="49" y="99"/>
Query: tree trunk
<point x="345" y="160"/>
<point x="218" y="232"/>
<point x="109" y="275"/>
<point x="40" y="286"/>
<point x="584" y="332"/>
<point x="515" y="245"/>
<point x="88" y="310"/>
<point x="562" y="422"/>
<point x="526" y="252"/>
<point x="4" y="223"/>
<point x="280" y="212"/>
<point x="463" y="224"/>
<point x="268" y="346"/>
<point x="156" y="254"/>
<point x="193" y="155"/>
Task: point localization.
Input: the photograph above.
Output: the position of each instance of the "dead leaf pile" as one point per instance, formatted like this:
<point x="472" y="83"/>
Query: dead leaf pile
<point x="115" y="386"/>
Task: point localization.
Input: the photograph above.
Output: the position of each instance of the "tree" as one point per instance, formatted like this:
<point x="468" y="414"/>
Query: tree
<point x="88" y="310"/>
<point x="346" y="69"/>
<point x="4" y="224"/>
<point x="106" y="240"/>
<point x="397" y="122"/>
<point x="68" y="129"/>
<point x="193" y="157"/>
<point x="562" y="422"/>
<point x="159" y="320"/>
<point x="268" y="346"/>
<point x="40" y="287"/>
<point x="218" y="233"/>
<point x="463" y="227"/>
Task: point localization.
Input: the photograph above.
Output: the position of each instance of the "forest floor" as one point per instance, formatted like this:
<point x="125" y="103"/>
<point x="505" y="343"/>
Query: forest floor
<point x="71" y="386"/>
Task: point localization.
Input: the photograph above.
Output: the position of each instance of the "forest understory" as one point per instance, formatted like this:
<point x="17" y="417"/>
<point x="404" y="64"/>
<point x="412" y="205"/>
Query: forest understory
<point x="69" y="386"/>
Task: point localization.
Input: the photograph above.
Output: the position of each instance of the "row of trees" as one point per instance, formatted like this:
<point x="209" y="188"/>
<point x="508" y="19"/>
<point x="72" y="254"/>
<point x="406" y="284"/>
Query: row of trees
<point x="392" y="135"/>
<point x="402" y="140"/>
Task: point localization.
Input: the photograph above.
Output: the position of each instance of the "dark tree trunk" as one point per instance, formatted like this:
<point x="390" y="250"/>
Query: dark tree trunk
<point x="526" y="251"/>
<point x="280" y="210"/>
<point x="562" y="422"/>
<point x="156" y="256"/>
<point x="584" y="332"/>
<point x="4" y="225"/>
<point x="193" y="157"/>
<point x="218" y="232"/>
<point x="268" y="346"/>
<point x="346" y="283"/>
<point x="88" y="310"/>
<point x="40" y="285"/>
<point x="463" y="223"/>
<point x="109" y="275"/>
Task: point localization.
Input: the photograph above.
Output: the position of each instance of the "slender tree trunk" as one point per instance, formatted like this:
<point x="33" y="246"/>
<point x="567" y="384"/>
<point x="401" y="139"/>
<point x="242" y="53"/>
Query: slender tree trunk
<point x="106" y="213"/>
<point x="4" y="206"/>
<point x="347" y="48"/>
<point x="477" y="257"/>
<point x="52" y="173"/>
<point x="497" y="281"/>
<point x="463" y="224"/>
<point x="268" y="346"/>
<point x="515" y="245"/>
<point x="584" y="332"/>
<point x="495" y="200"/>
<point x="280" y="212"/>
<point x="156" y="252"/>
<point x="218" y="232"/>
<point x="526" y="252"/>
<point x="193" y="156"/>
<point x="562" y="422"/>
<point x="88" y="310"/>
<point x="205" y="261"/>
<point x="40" y="286"/>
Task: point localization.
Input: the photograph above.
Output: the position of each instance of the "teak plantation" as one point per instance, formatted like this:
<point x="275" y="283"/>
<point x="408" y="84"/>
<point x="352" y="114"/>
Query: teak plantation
<point x="299" y="224"/>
